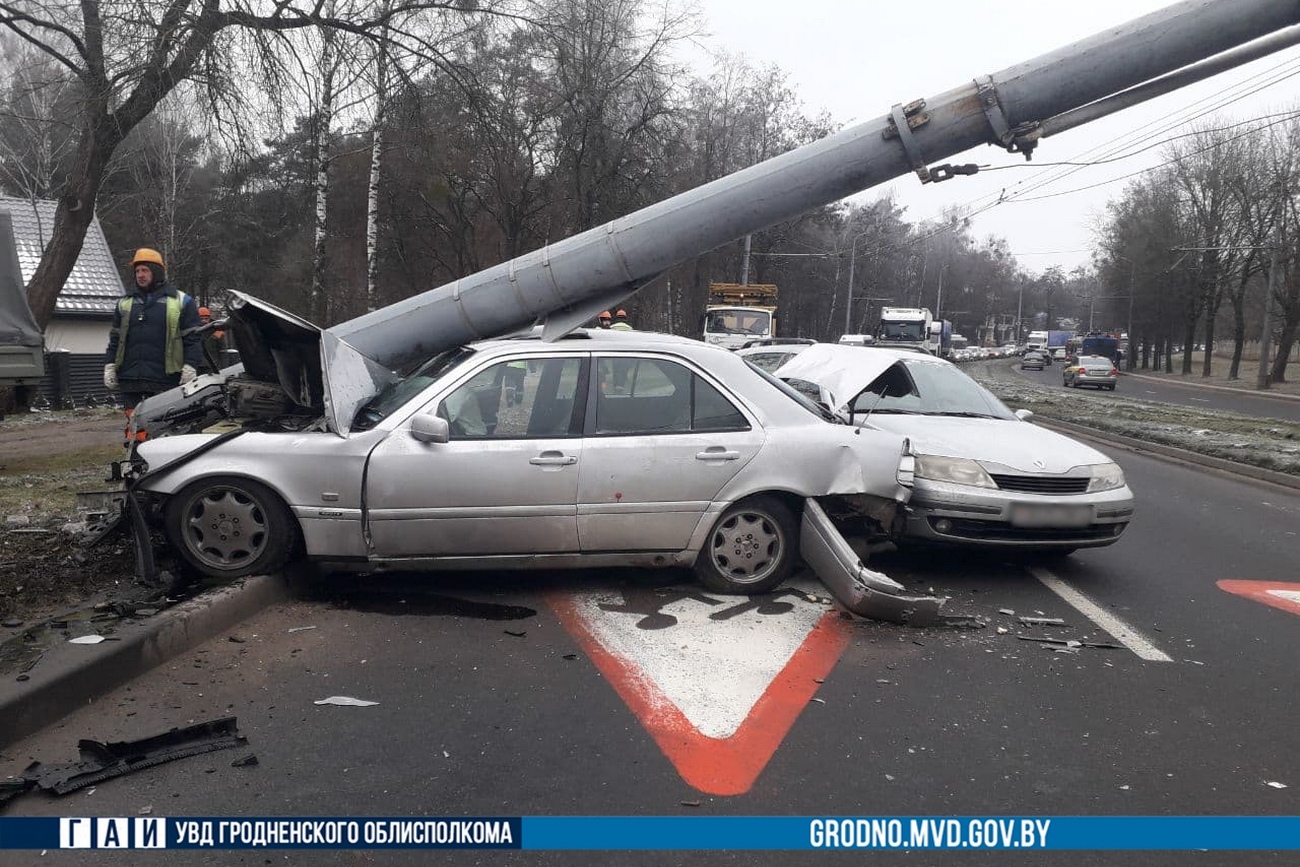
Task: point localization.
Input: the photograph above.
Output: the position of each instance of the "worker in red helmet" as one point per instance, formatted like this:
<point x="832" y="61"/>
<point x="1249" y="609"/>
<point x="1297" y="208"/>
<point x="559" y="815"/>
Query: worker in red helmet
<point x="148" y="348"/>
<point x="620" y="321"/>
<point x="605" y="319"/>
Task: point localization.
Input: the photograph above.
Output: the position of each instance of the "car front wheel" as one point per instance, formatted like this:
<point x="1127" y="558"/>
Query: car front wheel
<point x="750" y="550"/>
<point x="227" y="528"/>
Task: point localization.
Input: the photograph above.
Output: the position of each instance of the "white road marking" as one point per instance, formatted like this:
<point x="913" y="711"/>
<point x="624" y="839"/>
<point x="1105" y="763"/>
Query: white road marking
<point x="1200" y="399"/>
<point x="714" y="671"/>
<point x="1121" y="631"/>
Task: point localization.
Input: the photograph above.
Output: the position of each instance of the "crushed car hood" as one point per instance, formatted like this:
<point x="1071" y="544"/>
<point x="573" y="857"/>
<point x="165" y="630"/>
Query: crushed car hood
<point x="844" y="371"/>
<point x="847" y="371"/>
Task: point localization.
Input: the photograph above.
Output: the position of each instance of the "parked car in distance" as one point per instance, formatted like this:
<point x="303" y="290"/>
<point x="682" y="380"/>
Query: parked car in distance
<point x="985" y="477"/>
<point x="1032" y="360"/>
<point x="596" y="449"/>
<point x="1095" y="370"/>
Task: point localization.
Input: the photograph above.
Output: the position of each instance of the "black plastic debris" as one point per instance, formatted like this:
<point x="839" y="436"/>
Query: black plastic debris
<point x="101" y="761"/>
<point x="245" y="762"/>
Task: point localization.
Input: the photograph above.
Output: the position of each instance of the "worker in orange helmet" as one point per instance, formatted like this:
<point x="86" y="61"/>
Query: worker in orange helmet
<point x="620" y="321"/>
<point x="605" y="319"/>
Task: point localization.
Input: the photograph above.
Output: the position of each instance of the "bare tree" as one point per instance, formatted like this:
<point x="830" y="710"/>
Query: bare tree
<point x="127" y="55"/>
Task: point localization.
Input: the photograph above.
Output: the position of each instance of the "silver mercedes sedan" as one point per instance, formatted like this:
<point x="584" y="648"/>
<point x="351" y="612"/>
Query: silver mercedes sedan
<point x="596" y="449"/>
<point x="985" y="477"/>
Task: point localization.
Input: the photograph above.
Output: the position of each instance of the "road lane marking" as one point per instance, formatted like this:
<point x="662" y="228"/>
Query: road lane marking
<point x="1278" y="594"/>
<point x="1119" y="630"/>
<point x="716" y="681"/>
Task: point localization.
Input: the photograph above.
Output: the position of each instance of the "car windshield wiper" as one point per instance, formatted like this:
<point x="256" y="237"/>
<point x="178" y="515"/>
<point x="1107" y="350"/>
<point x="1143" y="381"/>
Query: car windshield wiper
<point x="896" y="411"/>
<point x="956" y="414"/>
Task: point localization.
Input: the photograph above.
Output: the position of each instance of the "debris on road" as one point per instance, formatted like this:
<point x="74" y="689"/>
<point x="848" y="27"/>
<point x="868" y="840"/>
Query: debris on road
<point x="347" y="701"/>
<point x="1275" y="785"/>
<point x="245" y="762"/>
<point x="86" y="639"/>
<point x="300" y="628"/>
<point x="1042" y="621"/>
<point x="103" y="761"/>
<point x="1070" y="642"/>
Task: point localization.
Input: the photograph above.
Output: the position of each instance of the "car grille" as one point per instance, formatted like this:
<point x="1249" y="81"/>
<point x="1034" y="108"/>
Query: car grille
<point x="1042" y="484"/>
<point x="997" y="531"/>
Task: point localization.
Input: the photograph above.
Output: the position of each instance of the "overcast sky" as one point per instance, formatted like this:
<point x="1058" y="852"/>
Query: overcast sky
<point x="856" y="58"/>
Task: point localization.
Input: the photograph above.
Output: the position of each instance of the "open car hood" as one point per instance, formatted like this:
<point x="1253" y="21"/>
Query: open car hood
<point x="843" y="371"/>
<point x="318" y="372"/>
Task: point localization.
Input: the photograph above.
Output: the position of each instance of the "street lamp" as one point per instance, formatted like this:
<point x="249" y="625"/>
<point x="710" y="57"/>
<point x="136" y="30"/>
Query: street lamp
<point x="1132" y="284"/>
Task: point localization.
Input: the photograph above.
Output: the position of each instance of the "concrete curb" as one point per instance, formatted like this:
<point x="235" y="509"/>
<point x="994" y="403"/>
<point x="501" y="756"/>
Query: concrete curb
<point x="69" y="676"/>
<point x="1172" y="453"/>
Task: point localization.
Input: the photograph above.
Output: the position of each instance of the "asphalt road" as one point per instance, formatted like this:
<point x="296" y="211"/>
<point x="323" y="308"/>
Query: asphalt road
<point x="527" y="695"/>
<point x="1159" y="391"/>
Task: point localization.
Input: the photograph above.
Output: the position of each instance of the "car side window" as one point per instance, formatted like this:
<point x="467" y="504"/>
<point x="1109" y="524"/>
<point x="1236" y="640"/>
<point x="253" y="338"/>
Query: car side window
<point x="652" y="395"/>
<point x="523" y="398"/>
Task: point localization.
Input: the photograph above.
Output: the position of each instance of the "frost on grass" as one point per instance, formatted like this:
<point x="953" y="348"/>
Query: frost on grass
<point x="1267" y="443"/>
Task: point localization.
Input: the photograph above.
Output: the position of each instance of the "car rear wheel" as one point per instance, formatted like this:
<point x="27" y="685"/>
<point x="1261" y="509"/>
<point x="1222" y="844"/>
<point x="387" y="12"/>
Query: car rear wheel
<point x="231" y="527"/>
<point x="750" y="550"/>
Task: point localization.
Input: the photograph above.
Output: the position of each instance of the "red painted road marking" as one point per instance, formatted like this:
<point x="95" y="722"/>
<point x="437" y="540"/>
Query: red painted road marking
<point x="728" y="761"/>
<point x="1278" y="594"/>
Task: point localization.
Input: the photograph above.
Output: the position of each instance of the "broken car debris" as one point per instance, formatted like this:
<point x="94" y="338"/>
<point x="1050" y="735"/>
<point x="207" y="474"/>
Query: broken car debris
<point x="103" y="761"/>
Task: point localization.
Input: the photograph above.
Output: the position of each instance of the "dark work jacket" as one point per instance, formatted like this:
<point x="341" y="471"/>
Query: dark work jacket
<point x="144" y="369"/>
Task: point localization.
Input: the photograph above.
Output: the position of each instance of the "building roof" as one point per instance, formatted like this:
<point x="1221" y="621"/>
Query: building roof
<point x="93" y="287"/>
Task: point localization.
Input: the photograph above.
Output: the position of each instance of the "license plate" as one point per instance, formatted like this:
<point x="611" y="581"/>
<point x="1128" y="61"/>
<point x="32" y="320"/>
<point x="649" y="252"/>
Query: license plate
<point x="1050" y="515"/>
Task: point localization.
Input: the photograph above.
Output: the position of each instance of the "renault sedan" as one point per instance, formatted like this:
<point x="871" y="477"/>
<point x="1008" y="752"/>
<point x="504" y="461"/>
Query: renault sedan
<point x="596" y="449"/>
<point x="984" y="477"/>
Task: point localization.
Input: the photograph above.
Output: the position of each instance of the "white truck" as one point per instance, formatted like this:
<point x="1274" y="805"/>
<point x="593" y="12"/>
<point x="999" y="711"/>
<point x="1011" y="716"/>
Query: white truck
<point x="739" y="313"/>
<point x="909" y="326"/>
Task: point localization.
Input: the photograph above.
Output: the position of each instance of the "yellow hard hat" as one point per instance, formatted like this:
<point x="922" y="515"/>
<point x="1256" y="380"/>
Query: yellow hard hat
<point x="144" y="255"/>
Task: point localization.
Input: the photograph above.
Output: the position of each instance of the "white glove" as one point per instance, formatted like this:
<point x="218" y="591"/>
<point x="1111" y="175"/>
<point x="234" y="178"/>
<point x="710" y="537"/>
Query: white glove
<point x="187" y="374"/>
<point x="110" y="377"/>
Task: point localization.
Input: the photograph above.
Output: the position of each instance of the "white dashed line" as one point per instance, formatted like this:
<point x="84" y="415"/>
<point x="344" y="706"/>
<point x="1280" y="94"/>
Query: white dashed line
<point x="1121" y="631"/>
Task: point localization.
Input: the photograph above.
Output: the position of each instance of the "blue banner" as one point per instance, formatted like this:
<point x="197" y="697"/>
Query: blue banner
<point x="661" y="833"/>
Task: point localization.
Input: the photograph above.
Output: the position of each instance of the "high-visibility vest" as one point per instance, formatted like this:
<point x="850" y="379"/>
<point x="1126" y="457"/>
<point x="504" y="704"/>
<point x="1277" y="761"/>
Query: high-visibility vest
<point x="174" y="359"/>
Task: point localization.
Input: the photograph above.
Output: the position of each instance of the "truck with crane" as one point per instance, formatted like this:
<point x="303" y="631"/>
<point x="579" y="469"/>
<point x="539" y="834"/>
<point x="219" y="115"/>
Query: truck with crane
<point x="321" y="378"/>
<point x="740" y="313"/>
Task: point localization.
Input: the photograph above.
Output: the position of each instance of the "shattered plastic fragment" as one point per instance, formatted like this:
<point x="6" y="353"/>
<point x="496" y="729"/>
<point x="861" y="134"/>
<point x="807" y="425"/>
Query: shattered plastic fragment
<point x="1042" y="621"/>
<point x="1002" y="630"/>
<point x="346" y="701"/>
<point x="86" y="639"/>
<point x="1275" y="785"/>
<point x="301" y="628"/>
<point x="1007" y="611"/>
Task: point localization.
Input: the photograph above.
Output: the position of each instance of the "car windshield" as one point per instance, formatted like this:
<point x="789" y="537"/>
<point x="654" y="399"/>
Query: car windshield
<point x="936" y="388"/>
<point x="398" y="392"/>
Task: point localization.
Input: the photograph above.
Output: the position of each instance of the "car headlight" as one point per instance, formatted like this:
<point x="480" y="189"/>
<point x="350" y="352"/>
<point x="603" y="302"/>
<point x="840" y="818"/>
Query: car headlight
<point x="960" y="471"/>
<point x="1105" y="477"/>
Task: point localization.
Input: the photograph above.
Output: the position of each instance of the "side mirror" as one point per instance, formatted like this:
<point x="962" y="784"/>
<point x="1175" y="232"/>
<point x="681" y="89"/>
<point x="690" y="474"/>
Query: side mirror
<point x="429" y="428"/>
<point x="1024" y="414"/>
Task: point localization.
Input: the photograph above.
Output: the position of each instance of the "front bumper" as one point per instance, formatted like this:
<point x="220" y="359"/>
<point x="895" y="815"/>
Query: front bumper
<point x="983" y="517"/>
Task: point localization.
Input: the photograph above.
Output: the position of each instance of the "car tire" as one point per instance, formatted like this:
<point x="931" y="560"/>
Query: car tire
<point x="750" y="550"/>
<point x="231" y="527"/>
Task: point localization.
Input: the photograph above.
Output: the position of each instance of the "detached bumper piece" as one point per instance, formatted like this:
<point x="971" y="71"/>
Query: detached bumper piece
<point x="859" y="589"/>
<point x="100" y="761"/>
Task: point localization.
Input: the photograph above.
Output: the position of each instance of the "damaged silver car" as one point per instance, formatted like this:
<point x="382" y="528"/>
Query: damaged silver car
<point x="598" y="449"/>
<point x="984" y="477"/>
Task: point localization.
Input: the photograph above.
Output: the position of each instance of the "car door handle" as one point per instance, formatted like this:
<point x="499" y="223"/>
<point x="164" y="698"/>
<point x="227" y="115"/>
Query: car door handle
<point x="553" y="459"/>
<point x="717" y="453"/>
